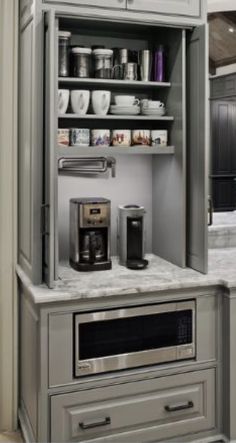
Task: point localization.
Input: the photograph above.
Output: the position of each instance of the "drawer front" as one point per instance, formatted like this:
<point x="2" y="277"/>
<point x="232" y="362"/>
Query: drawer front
<point x="153" y="409"/>
<point x="120" y="4"/>
<point x="172" y="7"/>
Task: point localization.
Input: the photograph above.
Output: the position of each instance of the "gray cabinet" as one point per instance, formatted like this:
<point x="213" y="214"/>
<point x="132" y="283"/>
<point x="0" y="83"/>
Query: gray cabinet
<point x="121" y="4"/>
<point x="165" y="407"/>
<point x="224" y="86"/>
<point x="170" y="7"/>
<point x="44" y="196"/>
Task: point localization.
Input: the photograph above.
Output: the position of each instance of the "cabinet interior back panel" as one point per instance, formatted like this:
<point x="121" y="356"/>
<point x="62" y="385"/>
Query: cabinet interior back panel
<point x="132" y="185"/>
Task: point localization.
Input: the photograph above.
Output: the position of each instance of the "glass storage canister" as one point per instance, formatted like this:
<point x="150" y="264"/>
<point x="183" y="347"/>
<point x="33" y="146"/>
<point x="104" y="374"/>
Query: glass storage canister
<point x="81" y="62"/>
<point x="64" y="53"/>
<point x="103" y="63"/>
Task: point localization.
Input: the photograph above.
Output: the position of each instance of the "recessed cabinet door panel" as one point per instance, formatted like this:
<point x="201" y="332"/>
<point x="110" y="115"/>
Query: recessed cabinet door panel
<point x="171" y="7"/>
<point x="197" y="141"/>
<point x="51" y="50"/>
<point x="29" y="155"/>
<point x="121" y="4"/>
<point x="221" y="127"/>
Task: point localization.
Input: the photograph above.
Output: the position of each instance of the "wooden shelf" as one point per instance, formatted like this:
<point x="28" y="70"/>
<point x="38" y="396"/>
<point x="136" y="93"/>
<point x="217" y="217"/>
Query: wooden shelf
<point x="112" y="83"/>
<point x="115" y="117"/>
<point x="72" y="151"/>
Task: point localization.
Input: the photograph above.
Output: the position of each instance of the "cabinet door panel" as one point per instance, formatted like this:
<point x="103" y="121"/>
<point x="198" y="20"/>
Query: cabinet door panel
<point x="221" y="115"/>
<point x="171" y="7"/>
<point x="197" y="141"/>
<point x="224" y="194"/>
<point x="29" y="163"/>
<point x="121" y="4"/>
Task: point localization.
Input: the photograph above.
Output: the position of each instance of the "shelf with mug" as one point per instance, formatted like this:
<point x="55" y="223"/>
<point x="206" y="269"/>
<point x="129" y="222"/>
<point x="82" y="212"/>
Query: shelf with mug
<point x="72" y="151"/>
<point x="112" y="82"/>
<point x="115" y="117"/>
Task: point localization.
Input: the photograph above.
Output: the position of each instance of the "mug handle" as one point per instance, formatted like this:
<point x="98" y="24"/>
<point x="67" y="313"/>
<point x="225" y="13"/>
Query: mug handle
<point x="82" y="103"/>
<point x="60" y="101"/>
<point x="136" y="101"/>
<point x="105" y="101"/>
<point x="161" y="105"/>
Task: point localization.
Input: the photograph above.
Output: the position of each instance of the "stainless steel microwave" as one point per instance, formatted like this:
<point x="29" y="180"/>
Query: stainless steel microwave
<point x="126" y="338"/>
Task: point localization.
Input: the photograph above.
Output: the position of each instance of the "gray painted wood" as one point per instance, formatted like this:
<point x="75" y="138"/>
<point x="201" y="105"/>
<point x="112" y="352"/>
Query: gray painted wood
<point x="119" y="4"/>
<point x="197" y="142"/>
<point x="133" y="406"/>
<point x="171" y="7"/>
<point x="30" y="157"/>
<point x="26" y="11"/>
<point x="61" y="337"/>
<point x="50" y="137"/>
<point x="169" y="212"/>
<point x="29" y="360"/>
<point x="229" y="360"/>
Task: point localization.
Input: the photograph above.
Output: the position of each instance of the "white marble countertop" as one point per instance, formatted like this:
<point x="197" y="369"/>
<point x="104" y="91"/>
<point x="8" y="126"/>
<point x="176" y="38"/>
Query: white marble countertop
<point x="159" y="275"/>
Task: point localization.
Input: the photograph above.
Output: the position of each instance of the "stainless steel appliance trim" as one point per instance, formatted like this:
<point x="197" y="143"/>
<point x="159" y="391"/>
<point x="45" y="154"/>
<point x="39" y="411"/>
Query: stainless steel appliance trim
<point x="134" y="312"/>
<point x="135" y="359"/>
<point x="129" y="360"/>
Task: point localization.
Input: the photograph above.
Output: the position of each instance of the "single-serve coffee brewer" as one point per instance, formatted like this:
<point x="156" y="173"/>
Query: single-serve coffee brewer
<point x="131" y="236"/>
<point x="90" y="234"/>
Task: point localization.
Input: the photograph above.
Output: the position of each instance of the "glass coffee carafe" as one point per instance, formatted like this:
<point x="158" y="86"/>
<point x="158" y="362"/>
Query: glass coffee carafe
<point x="92" y="247"/>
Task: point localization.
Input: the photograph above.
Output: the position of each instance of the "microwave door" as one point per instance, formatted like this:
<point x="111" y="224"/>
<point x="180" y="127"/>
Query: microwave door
<point x="127" y="338"/>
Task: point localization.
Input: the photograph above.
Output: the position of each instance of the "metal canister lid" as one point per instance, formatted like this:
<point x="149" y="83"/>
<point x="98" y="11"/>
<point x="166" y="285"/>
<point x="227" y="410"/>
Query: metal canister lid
<point x="64" y="34"/>
<point x="103" y="52"/>
<point x="81" y="50"/>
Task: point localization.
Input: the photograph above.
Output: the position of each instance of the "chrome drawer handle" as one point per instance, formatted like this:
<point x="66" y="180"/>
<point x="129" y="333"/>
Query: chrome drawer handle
<point x="179" y="407"/>
<point x="94" y="424"/>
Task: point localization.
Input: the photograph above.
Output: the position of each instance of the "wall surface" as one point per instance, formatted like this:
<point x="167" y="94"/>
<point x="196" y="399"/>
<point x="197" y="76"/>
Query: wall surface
<point x="221" y="5"/>
<point x="8" y="162"/>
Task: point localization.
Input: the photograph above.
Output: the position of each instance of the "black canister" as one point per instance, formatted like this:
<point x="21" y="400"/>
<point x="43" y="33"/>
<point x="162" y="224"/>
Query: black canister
<point x="64" y="53"/>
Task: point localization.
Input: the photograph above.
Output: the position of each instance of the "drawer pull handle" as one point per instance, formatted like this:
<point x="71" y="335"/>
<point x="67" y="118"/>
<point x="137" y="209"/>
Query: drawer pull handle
<point x="94" y="424"/>
<point x="179" y="407"/>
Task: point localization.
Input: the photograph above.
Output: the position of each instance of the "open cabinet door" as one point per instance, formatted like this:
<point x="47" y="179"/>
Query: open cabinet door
<point x="50" y="113"/>
<point x="197" y="149"/>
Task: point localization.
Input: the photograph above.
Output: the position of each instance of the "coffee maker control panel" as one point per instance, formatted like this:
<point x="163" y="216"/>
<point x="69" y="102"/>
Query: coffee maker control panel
<point x="95" y="215"/>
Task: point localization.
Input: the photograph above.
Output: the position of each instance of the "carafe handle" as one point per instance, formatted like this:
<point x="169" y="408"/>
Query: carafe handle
<point x="92" y="248"/>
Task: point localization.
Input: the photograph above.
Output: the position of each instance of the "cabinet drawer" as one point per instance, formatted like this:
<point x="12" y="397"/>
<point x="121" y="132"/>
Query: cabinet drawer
<point x="223" y="86"/>
<point x="141" y="411"/>
<point x="120" y="4"/>
<point x="190" y="8"/>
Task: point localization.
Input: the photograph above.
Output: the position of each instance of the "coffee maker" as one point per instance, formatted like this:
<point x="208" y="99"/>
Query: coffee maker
<point x="90" y="234"/>
<point x="131" y="236"/>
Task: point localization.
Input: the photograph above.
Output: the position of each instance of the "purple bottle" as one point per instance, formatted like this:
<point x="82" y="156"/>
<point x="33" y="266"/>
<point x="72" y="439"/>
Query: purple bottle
<point x="159" y="64"/>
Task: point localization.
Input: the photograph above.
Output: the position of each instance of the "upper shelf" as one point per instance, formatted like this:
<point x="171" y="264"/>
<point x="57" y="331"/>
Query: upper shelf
<point x="115" y="117"/>
<point x="73" y="151"/>
<point x="115" y="83"/>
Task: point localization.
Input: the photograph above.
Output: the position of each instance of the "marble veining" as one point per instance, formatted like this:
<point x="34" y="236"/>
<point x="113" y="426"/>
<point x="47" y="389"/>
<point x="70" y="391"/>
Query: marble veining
<point x="160" y="275"/>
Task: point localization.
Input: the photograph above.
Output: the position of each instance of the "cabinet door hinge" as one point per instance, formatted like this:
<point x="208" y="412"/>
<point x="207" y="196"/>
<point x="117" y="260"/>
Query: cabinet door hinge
<point x="44" y="219"/>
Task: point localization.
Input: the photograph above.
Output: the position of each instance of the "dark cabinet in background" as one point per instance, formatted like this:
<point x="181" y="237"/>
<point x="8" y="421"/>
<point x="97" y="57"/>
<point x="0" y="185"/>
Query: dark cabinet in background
<point x="223" y="155"/>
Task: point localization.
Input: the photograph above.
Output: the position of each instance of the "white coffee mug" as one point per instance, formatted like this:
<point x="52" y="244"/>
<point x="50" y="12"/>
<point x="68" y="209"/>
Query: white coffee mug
<point x="80" y="101"/>
<point x="126" y="100"/>
<point x="101" y="102"/>
<point x="101" y="137"/>
<point x="152" y="104"/>
<point x="63" y="100"/>
<point x="159" y="137"/>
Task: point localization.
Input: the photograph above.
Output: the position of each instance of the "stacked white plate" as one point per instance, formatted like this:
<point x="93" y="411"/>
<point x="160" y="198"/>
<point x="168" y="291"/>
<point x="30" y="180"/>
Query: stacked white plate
<point x="125" y="110"/>
<point x="153" y="111"/>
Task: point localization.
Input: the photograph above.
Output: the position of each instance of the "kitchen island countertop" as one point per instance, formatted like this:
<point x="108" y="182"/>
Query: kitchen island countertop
<point x="158" y="276"/>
